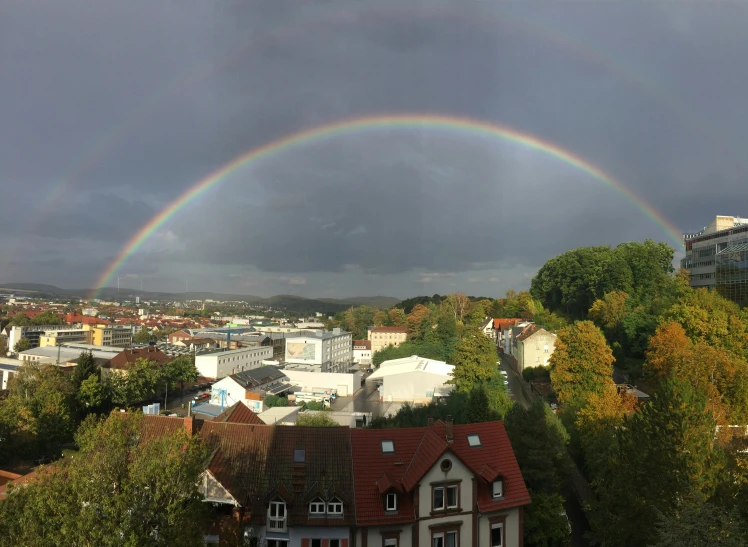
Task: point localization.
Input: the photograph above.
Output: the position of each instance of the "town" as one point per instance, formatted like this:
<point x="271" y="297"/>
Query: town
<point x="451" y="418"/>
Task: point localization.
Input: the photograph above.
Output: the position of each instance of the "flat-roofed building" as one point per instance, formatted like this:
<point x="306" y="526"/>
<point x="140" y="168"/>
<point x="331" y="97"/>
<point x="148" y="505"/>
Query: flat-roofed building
<point x="327" y="351"/>
<point x="58" y="337"/>
<point x="220" y="364"/>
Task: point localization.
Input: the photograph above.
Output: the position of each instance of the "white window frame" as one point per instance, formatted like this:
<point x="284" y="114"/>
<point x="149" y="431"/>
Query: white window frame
<point x="390" y="496"/>
<point x="335" y="507"/>
<point x="279" y="506"/>
<point x="443" y="537"/>
<point x="444" y="498"/>
<point x="457" y="496"/>
<point x="316" y="504"/>
<point x="500" y="527"/>
<point x="500" y="484"/>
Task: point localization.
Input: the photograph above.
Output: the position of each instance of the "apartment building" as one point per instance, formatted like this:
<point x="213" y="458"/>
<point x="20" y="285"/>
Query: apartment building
<point x="362" y="352"/>
<point x="717" y="257"/>
<point x="529" y="345"/>
<point x="381" y="337"/>
<point x="33" y="333"/>
<point x="119" y="336"/>
<point x="58" y="337"/>
<point x="325" y="351"/>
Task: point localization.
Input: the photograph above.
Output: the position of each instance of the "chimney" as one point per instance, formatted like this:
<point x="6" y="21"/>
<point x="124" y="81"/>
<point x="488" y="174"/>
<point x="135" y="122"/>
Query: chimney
<point x="450" y="425"/>
<point x="189" y="423"/>
<point x="431" y="422"/>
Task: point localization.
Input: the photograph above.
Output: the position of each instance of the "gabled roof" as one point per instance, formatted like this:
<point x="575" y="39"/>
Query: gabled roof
<point x="127" y="357"/>
<point x="431" y="448"/>
<point x="503" y="324"/>
<point x="238" y="413"/>
<point x="529" y="331"/>
<point x="362" y="344"/>
<point x="485" y="323"/>
<point x="255" y="377"/>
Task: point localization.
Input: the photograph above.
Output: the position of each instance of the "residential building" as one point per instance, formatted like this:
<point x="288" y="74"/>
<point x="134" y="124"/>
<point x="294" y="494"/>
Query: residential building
<point x="33" y="333"/>
<point x="413" y="379"/>
<point x="381" y="337"/>
<point x="487" y="328"/>
<point x="362" y="352"/>
<point x="532" y="347"/>
<point x="119" y="336"/>
<point x="125" y="360"/>
<point x="220" y="364"/>
<point x="717" y="257"/>
<point x="58" y="337"/>
<point x="501" y="329"/>
<point x="443" y="485"/>
<point x="327" y="351"/>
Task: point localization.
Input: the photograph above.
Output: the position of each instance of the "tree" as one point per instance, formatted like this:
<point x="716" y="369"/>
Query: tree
<point x="545" y="522"/>
<point x="581" y="364"/>
<point x="416" y="319"/>
<point x="21" y="320"/>
<point x="474" y="360"/>
<point x="182" y="370"/>
<point x="85" y="367"/>
<point x="397" y="317"/>
<point x="316" y="419"/>
<point x="478" y="409"/>
<point x="121" y="490"/>
<point x="48" y="317"/>
<point x="608" y="312"/>
<point x="271" y="401"/>
<point x="22" y="345"/>
<point x="458" y="304"/>
<point x="699" y="523"/>
<point x="92" y="393"/>
<point x="3" y="346"/>
<point x="143" y="336"/>
<point x="137" y="383"/>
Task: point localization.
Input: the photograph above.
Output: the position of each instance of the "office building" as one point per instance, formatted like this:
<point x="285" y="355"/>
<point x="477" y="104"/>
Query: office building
<point x="220" y="364"/>
<point x="717" y="257"/>
<point x="119" y="336"/>
<point x="57" y="337"/>
<point x="326" y="351"/>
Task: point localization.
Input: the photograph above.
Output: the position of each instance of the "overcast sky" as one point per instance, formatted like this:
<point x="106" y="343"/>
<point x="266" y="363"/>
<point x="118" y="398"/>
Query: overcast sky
<point x="110" y="110"/>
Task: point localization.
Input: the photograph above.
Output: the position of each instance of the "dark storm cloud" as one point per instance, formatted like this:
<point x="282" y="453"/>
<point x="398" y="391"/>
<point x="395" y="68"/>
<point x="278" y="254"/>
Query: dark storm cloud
<point x="140" y="100"/>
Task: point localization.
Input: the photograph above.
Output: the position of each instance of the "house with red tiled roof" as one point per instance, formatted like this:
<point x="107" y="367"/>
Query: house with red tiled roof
<point x="381" y="337"/>
<point x="532" y="347"/>
<point x="443" y="485"/>
<point x="125" y="360"/>
<point x="362" y="352"/>
<point x="502" y="329"/>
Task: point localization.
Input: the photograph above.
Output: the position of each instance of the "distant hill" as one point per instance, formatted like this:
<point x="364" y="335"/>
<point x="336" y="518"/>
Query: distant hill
<point x="292" y="303"/>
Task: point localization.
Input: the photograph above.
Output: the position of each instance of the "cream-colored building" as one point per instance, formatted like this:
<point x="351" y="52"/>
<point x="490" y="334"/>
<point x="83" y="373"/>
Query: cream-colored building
<point x="59" y="337"/>
<point x="110" y="335"/>
<point x="381" y="337"/>
<point x="533" y="347"/>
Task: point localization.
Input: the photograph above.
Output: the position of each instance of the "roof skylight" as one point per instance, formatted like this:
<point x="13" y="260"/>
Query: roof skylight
<point x="299" y="456"/>
<point x="473" y="440"/>
<point x="388" y="447"/>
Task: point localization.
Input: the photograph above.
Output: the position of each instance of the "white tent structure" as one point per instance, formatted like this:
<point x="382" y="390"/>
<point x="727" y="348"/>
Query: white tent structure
<point x="412" y="379"/>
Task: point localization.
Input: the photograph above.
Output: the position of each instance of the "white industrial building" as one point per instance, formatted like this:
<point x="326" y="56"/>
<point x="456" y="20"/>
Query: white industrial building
<point x="224" y="363"/>
<point x="328" y="351"/>
<point x="346" y="383"/>
<point x="413" y="379"/>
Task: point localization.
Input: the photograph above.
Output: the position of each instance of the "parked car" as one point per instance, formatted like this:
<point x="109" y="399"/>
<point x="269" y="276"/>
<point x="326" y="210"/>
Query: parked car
<point x="503" y="373"/>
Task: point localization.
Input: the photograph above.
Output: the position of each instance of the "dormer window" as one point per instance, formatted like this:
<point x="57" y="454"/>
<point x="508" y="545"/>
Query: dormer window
<point x="388" y="447"/>
<point x="334" y="507"/>
<point x="498" y="488"/>
<point x="390" y="502"/>
<point x="317" y="507"/>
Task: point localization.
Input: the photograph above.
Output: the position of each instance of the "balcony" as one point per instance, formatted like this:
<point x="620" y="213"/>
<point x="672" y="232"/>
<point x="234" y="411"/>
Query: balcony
<point x="276" y="524"/>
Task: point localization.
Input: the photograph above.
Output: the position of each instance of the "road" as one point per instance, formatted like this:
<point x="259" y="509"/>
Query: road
<point x="577" y="518"/>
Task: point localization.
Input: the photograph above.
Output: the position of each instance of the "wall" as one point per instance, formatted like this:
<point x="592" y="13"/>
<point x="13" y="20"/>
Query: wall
<point x="234" y="391"/>
<point x="374" y="535"/>
<point x="222" y="364"/>
<point x="380" y="340"/>
<point x="412" y="386"/>
<point x="304" y="349"/>
<point x="511" y="528"/>
<point x="329" y="380"/>
<point x="532" y="352"/>
<point x="459" y="472"/>
<point x="297" y="533"/>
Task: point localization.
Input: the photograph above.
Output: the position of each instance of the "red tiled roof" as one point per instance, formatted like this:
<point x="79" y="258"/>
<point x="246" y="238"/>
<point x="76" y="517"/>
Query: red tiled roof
<point x="362" y="344"/>
<point x="157" y="426"/>
<point x="390" y="329"/>
<point x="126" y="358"/>
<point x="503" y="324"/>
<point x="417" y="450"/>
<point x="238" y="413"/>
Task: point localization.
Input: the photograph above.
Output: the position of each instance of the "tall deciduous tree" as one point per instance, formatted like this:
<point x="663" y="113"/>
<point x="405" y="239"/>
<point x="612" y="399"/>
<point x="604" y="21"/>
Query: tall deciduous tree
<point x="123" y="489"/>
<point x="581" y="364"/>
<point x="22" y="345"/>
<point x="416" y="319"/>
<point x="397" y="317"/>
<point x="474" y="360"/>
<point x="143" y="336"/>
<point x="85" y="367"/>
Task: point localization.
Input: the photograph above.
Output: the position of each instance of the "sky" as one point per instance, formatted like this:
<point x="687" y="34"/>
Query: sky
<point x="112" y="110"/>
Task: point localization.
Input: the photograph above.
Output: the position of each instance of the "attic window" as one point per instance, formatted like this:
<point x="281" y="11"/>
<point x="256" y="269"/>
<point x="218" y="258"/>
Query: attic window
<point x="388" y="447"/>
<point x="473" y="440"/>
<point x="299" y="456"/>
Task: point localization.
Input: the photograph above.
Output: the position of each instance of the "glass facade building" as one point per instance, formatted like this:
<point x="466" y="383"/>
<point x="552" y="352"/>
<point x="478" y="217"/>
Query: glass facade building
<point x="732" y="272"/>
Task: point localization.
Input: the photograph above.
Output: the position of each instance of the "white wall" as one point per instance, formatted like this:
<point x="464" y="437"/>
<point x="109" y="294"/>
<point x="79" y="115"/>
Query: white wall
<point x="374" y="537"/>
<point x="221" y="364"/>
<point x="412" y="386"/>
<point x="329" y="380"/>
<point x="234" y="391"/>
<point x="511" y="530"/>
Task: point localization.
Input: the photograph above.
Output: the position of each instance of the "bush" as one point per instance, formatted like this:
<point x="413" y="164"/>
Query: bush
<point x="542" y="374"/>
<point x="273" y="400"/>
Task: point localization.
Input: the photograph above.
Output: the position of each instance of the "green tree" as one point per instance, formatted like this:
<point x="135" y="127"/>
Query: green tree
<point x="122" y="490"/>
<point x="581" y="364"/>
<point x="21" y="320"/>
<point x="271" y="401"/>
<point x="474" y="360"/>
<point x="92" y="393"/>
<point x="316" y="419"/>
<point x="143" y="336"/>
<point x="397" y="317"/>
<point x="22" y="345"/>
<point x="696" y="522"/>
<point x="545" y="522"/>
<point x="48" y="317"/>
<point x="478" y="409"/>
<point x="85" y="367"/>
<point x="180" y="370"/>
<point x="137" y="383"/>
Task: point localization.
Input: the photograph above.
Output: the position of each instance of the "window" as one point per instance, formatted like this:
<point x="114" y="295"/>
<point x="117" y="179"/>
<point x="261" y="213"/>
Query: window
<point x="391" y="542"/>
<point x="438" y="496"/>
<point x="497" y="535"/>
<point x="390" y="503"/>
<point x="446" y="465"/>
<point x="388" y="447"/>
<point x="444" y="539"/>
<point x="335" y="507"/>
<point x="277" y="515"/>
<point x="452" y="497"/>
<point x="316" y="543"/>
<point x="299" y="456"/>
<point x="334" y="543"/>
<point x="317" y="507"/>
<point x="473" y="440"/>
<point x="498" y="488"/>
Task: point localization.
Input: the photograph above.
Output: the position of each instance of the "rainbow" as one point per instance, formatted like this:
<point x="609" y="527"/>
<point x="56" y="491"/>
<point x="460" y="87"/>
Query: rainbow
<point x="431" y="121"/>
